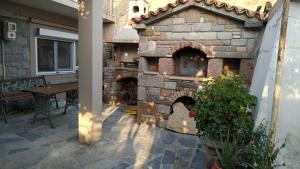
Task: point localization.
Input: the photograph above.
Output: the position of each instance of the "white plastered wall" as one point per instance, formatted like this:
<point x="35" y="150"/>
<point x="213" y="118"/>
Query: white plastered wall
<point x="288" y="121"/>
<point x="264" y="75"/>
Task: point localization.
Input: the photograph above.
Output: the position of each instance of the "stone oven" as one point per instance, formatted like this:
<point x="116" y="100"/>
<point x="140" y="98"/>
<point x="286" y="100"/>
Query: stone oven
<point x="187" y="42"/>
<point x="121" y="69"/>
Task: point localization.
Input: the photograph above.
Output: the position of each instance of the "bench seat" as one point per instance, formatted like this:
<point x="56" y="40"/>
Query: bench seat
<point x="12" y="91"/>
<point x="16" y="96"/>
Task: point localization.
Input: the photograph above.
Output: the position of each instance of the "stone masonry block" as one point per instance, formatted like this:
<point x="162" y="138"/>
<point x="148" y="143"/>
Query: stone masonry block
<point x="163" y="28"/>
<point x="182" y="28"/>
<point x="153" y="98"/>
<point x="249" y="34"/>
<point x="210" y="18"/>
<point x="142" y="64"/>
<point x="224" y="49"/>
<point x="236" y="35"/>
<point x="251" y="44"/>
<point x="141" y="93"/>
<point x="150" y="80"/>
<point x="164" y="109"/>
<point x="166" y="66"/>
<point x="232" y="55"/>
<point x="202" y="27"/>
<point x="200" y="35"/>
<point x="215" y="67"/>
<point x="231" y="27"/>
<point x="218" y="28"/>
<point x="239" y="42"/>
<point x="187" y="85"/>
<point x="165" y="93"/>
<point x="178" y="20"/>
<point x="241" y="49"/>
<point x="193" y="20"/>
<point x="224" y="35"/>
<point x="154" y="91"/>
<point x="170" y="85"/>
<point x="216" y="42"/>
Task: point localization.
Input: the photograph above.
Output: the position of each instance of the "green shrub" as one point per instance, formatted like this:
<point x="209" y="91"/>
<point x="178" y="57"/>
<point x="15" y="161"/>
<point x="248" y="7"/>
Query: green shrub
<point x="222" y="107"/>
<point x="250" y="150"/>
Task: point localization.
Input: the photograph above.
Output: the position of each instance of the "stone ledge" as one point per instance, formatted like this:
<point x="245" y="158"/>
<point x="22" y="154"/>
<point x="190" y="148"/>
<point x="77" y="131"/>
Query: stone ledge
<point x="125" y="68"/>
<point x="151" y="73"/>
<point x="140" y="26"/>
<point x="198" y="79"/>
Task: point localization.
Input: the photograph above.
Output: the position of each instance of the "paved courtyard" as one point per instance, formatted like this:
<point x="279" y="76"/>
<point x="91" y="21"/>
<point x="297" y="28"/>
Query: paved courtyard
<point x="124" y="145"/>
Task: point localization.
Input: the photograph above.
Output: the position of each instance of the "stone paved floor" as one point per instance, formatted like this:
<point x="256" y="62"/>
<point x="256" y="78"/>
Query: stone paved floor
<point x="124" y="145"/>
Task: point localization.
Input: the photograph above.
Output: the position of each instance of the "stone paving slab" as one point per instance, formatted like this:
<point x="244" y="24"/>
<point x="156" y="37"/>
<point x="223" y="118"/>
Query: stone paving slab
<point x="124" y="145"/>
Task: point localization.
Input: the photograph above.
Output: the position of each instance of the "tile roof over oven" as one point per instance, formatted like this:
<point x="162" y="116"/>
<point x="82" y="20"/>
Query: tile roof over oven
<point x="211" y="5"/>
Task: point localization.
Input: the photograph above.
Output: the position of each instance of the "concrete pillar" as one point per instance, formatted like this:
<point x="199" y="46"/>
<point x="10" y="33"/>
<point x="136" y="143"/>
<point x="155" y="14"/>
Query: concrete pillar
<point x="90" y="71"/>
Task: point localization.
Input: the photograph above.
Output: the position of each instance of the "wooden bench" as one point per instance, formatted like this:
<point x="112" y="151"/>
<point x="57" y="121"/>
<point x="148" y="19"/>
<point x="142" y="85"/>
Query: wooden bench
<point x="12" y="91"/>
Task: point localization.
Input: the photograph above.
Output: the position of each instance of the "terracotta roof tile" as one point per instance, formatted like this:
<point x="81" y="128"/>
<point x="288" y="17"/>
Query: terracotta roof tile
<point x="215" y="3"/>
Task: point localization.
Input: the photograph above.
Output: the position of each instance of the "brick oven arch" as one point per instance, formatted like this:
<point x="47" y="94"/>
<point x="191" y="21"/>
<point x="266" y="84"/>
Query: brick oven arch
<point x="119" y="75"/>
<point x="178" y="94"/>
<point x="193" y="45"/>
<point x="185" y="97"/>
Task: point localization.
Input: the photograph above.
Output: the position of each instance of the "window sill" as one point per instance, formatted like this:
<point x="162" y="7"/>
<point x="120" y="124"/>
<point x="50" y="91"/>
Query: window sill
<point x="56" y="73"/>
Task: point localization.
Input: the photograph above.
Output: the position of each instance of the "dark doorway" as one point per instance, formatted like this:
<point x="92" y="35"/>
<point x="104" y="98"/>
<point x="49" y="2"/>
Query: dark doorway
<point x="188" y="102"/>
<point x="127" y="90"/>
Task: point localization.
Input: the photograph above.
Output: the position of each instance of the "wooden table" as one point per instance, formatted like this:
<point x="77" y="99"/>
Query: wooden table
<point x="42" y="97"/>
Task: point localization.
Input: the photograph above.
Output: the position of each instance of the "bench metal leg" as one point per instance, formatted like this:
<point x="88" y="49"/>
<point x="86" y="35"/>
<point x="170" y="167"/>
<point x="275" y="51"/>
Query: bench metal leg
<point x="56" y="102"/>
<point x="49" y="115"/>
<point x="66" y="107"/>
<point x="4" y="110"/>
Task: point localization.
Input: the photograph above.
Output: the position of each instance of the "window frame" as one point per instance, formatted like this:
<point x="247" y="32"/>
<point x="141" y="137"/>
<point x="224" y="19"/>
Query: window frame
<point x="56" y="70"/>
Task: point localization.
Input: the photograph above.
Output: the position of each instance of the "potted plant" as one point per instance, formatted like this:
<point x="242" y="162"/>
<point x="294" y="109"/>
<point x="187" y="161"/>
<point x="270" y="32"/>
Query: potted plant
<point x="222" y="107"/>
<point x="223" y="115"/>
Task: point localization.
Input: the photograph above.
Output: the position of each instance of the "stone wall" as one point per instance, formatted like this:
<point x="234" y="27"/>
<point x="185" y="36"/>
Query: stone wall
<point x="157" y="93"/>
<point x="114" y="71"/>
<point x="217" y="36"/>
<point x="226" y="37"/>
<point x="16" y="52"/>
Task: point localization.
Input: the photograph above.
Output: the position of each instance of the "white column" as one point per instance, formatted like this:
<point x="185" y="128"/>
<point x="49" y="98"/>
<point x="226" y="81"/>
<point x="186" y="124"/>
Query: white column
<point x="90" y="71"/>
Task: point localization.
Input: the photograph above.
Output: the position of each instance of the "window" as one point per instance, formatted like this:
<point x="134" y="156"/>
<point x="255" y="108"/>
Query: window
<point x="55" y="56"/>
<point x="136" y="9"/>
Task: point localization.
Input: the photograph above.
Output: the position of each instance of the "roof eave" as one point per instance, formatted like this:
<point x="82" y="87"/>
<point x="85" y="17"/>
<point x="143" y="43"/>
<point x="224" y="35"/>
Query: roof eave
<point x="252" y="22"/>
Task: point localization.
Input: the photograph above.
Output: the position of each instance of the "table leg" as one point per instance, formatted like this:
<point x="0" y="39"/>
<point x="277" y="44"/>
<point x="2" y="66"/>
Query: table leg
<point x="4" y="110"/>
<point x="42" y="106"/>
<point x="34" y="117"/>
<point x="71" y="96"/>
<point x="49" y="114"/>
